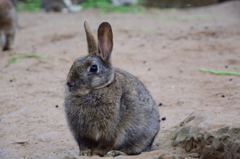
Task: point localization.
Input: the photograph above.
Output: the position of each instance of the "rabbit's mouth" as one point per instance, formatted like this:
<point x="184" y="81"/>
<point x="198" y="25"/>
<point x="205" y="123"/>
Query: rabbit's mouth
<point x="83" y="91"/>
<point x="78" y="91"/>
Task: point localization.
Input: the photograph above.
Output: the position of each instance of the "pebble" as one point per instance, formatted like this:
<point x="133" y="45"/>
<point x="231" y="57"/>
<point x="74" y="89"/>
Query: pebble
<point x="163" y="118"/>
<point x="160" y="104"/>
<point x="10" y="80"/>
<point x="56" y="106"/>
<point x="223" y="96"/>
<point x="226" y="66"/>
<point x="230" y="79"/>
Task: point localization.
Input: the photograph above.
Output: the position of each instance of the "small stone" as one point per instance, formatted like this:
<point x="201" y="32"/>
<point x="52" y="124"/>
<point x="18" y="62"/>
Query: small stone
<point x="10" y="80"/>
<point x="56" y="106"/>
<point x="230" y="79"/>
<point x="160" y="104"/>
<point x="226" y="66"/>
<point x="223" y="96"/>
<point x="163" y="118"/>
<point x="144" y="61"/>
<point x="149" y="69"/>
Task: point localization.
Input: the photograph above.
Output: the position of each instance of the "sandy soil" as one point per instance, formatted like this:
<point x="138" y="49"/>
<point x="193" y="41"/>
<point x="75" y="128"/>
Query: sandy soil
<point x="165" y="49"/>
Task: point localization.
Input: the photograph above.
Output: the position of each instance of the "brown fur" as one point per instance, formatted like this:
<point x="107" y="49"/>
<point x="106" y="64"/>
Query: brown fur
<point x="109" y="109"/>
<point x="8" y="24"/>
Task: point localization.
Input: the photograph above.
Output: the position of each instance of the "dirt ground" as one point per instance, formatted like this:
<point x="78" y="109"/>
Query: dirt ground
<point x="165" y="49"/>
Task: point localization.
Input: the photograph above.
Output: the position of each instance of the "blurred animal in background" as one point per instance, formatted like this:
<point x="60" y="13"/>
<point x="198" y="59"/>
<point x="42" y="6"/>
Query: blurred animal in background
<point x="123" y="2"/>
<point x="8" y="24"/>
<point x="14" y="2"/>
<point x="60" y="5"/>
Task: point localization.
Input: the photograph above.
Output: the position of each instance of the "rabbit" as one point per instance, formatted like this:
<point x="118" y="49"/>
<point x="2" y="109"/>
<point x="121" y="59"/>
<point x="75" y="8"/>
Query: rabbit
<point x="8" y="24"/>
<point x="60" y="5"/>
<point x="109" y="111"/>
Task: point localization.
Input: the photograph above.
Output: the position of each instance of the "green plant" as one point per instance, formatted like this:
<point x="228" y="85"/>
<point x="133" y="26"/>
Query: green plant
<point x="220" y="72"/>
<point x="96" y="4"/>
<point x="29" y="5"/>
<point x="12" y="59"/>
<point x="104" y="6"/>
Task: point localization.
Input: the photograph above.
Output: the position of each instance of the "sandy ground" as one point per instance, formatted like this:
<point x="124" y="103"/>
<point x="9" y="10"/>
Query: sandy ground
<point x="165" y="49"/>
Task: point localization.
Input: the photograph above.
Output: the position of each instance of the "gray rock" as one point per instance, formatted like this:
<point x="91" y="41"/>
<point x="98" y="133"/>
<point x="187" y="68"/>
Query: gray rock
<point x="211" y="137"/>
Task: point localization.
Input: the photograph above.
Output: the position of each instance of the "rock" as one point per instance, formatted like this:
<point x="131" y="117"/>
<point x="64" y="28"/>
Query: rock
<point x="209" y="136"/>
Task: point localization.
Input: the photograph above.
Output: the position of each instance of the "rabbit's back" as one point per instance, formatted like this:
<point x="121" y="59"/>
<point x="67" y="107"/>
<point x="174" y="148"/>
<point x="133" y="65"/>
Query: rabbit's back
<point x="8" y="24"/>
<point x="7" y="13"/>
<point x="140" y="119"/>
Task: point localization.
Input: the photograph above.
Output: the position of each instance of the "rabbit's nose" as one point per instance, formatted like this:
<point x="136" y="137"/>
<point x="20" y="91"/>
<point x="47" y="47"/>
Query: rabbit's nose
<point x="71" y="84"/>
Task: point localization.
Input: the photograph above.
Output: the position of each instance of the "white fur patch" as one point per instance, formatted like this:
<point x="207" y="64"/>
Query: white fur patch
<point x="68" y="3"/>
<point x="97" y="137"/>
<point x="71" y="7"/>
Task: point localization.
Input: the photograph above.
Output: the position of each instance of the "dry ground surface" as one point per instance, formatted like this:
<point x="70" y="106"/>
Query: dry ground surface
<point x="164" y="48"/>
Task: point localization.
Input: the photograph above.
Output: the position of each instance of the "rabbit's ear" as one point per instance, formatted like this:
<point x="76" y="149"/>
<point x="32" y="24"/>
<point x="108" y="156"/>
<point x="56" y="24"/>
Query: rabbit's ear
<point x="105" y="40"/>
<point x="92" y="44"/>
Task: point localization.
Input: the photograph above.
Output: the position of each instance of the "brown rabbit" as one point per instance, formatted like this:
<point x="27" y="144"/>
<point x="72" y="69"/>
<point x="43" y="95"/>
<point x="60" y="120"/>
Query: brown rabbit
<point x="109" y="111"/>
<point x="8" y="24"/>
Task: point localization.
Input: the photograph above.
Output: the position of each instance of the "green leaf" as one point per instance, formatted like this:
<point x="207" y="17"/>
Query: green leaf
<point x="220" y="72"/>
<point x="12" y="59"/>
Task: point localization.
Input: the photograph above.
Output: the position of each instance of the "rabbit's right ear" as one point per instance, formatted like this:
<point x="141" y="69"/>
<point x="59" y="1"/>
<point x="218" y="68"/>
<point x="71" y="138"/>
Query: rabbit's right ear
<point x="92" y="44"/>
<point x="105" y="41"/>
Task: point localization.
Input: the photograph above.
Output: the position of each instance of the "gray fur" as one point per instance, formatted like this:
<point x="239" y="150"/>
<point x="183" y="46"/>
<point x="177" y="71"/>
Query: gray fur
<point x="110" y="109"/>
<point x="8" y="24"/>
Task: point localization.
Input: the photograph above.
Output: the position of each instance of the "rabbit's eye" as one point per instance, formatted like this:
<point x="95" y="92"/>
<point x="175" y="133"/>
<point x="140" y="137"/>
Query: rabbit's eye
<point x="94" y="68"/>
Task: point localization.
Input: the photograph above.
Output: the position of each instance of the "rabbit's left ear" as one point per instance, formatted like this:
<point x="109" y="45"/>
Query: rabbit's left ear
<point x="105" y="41"/>
<point x="92" y="44"/>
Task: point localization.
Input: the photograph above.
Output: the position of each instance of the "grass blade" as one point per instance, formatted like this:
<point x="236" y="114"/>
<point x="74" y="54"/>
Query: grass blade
<point x="220" y="72"/>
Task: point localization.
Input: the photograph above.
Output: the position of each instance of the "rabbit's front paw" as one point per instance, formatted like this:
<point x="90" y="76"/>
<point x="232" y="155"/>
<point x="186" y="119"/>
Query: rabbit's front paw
<point x="100" y="153"/>
<point x="85" y="153"/>
<point x="114" y="153"/>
